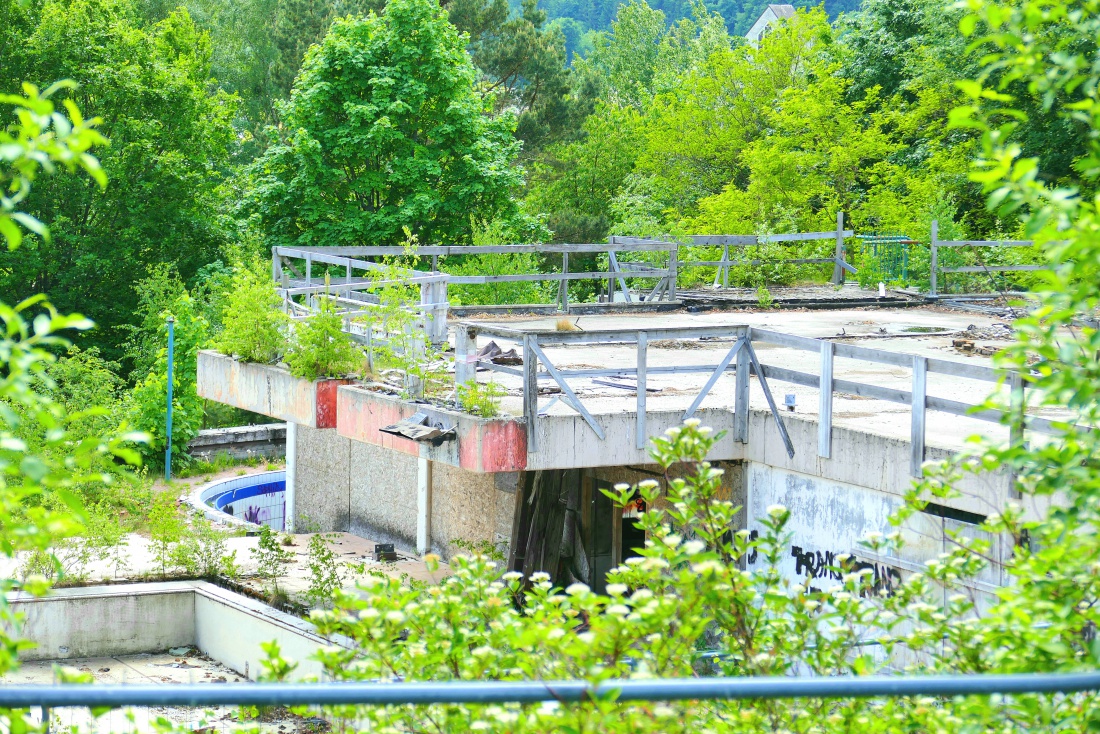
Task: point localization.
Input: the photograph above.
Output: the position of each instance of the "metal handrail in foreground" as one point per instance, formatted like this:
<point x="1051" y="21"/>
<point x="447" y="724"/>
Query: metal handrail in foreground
<point x="484" y="692"/>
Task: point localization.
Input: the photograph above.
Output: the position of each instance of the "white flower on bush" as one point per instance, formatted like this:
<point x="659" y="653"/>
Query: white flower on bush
<point x="777" y="510"/>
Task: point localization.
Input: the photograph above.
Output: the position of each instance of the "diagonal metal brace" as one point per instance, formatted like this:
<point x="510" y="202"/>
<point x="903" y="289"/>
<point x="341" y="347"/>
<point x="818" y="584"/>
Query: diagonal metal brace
<point x="576" y="403"/>
<point x="714" y="378"/>
<point x="771" y="401"/>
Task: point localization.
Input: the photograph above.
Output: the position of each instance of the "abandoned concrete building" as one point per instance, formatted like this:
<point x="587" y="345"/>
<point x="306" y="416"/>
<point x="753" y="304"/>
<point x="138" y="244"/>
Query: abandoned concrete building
<point x="829" y="410"/>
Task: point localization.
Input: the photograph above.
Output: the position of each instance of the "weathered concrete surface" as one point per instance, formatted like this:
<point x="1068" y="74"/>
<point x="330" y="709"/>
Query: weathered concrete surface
<point x="323" y="480"/>
<point x="829" y="518"/>
<point x="107" y="620"/>
<point x="268" y="390"/>
<point x="370" y="491"/>
<point x="241" y="442"/>
<point x="124" y="619"/>
<point x="482" y="444"/>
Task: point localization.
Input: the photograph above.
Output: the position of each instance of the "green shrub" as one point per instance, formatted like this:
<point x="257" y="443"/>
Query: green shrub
<point x="481" y="398"/>
<point x="320" y="347"/>
<point x="253" y="324"/>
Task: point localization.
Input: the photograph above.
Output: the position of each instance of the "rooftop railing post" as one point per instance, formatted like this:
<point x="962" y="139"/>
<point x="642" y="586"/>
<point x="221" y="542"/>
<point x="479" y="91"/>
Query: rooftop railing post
<point x="563" y="288"/>
<point x="919" y="406"/>
<point x="673" y="271"/>
<point x="463" y="372"/>
<point x="643" y="346"/>
<point x="932" y="243"/>
<point x="530" y="391"/>
<point x="825" y="407"/>
<point x="1016" y="413"/>
<point x="838" y="269"/>
<point x="741" y="398"/>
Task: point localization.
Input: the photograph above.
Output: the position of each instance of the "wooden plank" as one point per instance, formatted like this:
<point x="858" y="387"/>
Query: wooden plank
<point x="564" y="385"/>
<point x="530" y="391"/>
<point x="994" y="268"/>
<point x="563" y="285"/>
<point x="713" y="378"/>
<point x="741" y="393"/>
<point x="782" y="374"/>
<point x="838" y="253"/>
<point x="919" y="405"/>
<point x="643" y="349"/>
<point x="613" y="266"/>
<point x="771" y="401"/>
<point x="961" y="369"/>
<point x="458" y="250"/>
<point x="767" y="336"/>
<point x="804" y="236"/>
<point x="934" y="244"/>
<point x="985" y="243"/>
<point x="862" y="390"/>
<point x="535" y="277"/>
<point x="825" y="403"/>
<point x="850" y="351"/>
<point x="727" y="240"/>
<point x="521" y="520"/>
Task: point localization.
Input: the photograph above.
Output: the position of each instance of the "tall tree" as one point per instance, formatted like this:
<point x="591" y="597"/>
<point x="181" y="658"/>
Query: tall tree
<point x="169" y="136"/>
<point x="385" y="131"/>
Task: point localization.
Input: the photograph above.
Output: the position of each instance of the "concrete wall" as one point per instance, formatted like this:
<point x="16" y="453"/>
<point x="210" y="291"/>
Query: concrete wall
<point x="829" y="518"/>
<point x="371" y="491"/>
<point x="107" y="620"/>
<point x="127" y="619"/>
<point x="322" y="481"/>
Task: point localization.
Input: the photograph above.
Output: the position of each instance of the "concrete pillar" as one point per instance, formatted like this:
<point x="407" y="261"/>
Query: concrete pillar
<point x="424" y="506"/>
<point x="291" y="467"/>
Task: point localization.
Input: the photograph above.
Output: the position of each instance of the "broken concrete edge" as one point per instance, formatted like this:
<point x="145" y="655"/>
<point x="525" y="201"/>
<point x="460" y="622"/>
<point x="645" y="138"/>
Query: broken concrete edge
<point x="268" y="389"/>
<point x="121" y="619"/>
<point x="481" y="444"/>
<point x="241" y="442"/>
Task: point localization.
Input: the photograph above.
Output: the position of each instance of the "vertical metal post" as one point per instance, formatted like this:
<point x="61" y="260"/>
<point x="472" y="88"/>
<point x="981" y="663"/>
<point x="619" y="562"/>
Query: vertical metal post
<point x="932" y="243"/>
<point x="741" y="399"/>
<point x="643" y="346"/>
<point x="424" y="506"/>
<point x="825" y="405"/>
<point x="530" y="391"/>
<point x="168" y="421"/>
<point x="920" y="392"/>
<point x="838" y="255"/>
<point x="46" y="719"/>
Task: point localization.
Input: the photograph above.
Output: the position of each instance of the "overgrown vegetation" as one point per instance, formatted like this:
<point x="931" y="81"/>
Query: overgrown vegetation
<point x="481" y="398"/>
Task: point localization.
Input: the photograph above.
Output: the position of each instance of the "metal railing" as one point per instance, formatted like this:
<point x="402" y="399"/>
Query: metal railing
<point x="840" y="265"/>
<point x="742" y="360"/>
<point x="616" y="275"/>
<point x="571" y="691"/>
<point x="936" y="269"/>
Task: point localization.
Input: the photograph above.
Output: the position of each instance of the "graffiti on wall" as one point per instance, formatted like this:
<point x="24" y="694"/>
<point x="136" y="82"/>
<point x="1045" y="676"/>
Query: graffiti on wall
<point x="825" y="565"/>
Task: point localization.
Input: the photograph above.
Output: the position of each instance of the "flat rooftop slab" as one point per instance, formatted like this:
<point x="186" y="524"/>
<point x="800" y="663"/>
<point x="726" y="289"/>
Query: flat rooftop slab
<point x="924" y="331"/>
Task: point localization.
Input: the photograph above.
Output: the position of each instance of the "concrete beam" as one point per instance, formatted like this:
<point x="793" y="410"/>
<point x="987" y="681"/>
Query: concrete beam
<point x="482" y="444"/>
<point x="268" y="390"/>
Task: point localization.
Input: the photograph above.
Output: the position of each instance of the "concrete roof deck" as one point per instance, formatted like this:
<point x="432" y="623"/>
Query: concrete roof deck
<point x="890" y="330"/>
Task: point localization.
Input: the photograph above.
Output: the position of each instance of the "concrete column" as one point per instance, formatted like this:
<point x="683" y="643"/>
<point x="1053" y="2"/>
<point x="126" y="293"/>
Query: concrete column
<point x="424" y="506"/>
<point x="291" y="468"/>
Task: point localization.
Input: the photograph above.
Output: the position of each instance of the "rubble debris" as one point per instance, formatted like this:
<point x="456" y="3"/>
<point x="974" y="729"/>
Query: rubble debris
<point x="491" y="352"/>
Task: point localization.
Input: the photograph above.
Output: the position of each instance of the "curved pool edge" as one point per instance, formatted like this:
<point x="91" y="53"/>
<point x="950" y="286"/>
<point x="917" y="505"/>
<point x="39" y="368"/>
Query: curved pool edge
<point x="198" y="498"/>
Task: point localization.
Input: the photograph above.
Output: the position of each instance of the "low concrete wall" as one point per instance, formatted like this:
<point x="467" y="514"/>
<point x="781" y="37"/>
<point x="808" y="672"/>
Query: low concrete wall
<point x="127" y="619"/>
<point x="241" y="442"/>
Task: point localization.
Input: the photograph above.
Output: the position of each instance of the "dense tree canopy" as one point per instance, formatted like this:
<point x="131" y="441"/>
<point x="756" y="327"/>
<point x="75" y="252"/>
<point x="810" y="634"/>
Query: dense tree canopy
<point x="170" y="137"/>
<point x="384" y="131"/>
